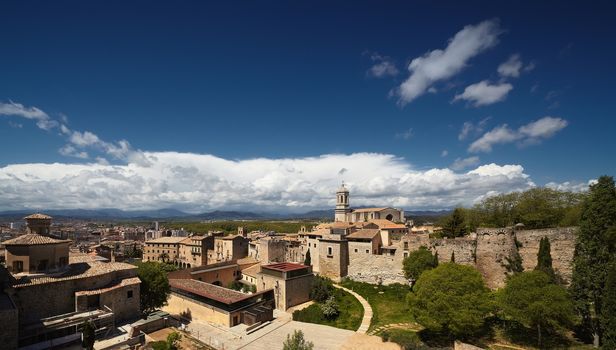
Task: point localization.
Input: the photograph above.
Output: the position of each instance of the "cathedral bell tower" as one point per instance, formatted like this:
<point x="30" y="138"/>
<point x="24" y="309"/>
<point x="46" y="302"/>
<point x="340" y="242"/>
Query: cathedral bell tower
<point x="342" y="204"/>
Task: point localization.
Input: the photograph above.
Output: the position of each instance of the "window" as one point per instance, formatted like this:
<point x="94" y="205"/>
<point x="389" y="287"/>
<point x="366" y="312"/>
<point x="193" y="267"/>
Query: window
<point x="129" y="294"/>
<point x="367" y="251"/>
<point x="330" y="251"/>
<point x="18" y="266"/>
<point x="355" y="250"/>
<point x="406" y="254"/>
<point x="406" y="245"/>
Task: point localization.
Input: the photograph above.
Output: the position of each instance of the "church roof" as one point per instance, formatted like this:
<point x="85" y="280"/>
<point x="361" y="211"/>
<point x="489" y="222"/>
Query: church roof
<point x="38" y="216"/>
<point x="369" y="210"/>
<point x="33" y="239"/>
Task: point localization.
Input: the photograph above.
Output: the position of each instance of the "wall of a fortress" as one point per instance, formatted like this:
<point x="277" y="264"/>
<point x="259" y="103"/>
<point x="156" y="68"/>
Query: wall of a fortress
<point x="562" y="244"/>
<point x="487" y="250"/>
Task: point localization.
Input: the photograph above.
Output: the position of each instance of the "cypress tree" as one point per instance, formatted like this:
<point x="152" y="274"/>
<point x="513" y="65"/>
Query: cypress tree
<point x="608" y="314"/>
<point x="307" y="260"/>
<point x="593" y="251"/>
<point x="435" y="259"/>
<point x="544" y="258"/>
<point x="453" y="257"/>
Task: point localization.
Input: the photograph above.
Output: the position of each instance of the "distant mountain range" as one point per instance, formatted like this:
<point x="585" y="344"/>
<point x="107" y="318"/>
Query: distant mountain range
<point x="174" y="214"/>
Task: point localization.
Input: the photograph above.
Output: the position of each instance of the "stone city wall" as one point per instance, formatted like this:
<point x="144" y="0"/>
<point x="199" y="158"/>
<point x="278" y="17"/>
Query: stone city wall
<point x="487" y="250"/>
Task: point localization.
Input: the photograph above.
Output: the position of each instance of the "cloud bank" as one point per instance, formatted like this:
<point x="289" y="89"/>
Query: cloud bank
<point x="201" y="182"/>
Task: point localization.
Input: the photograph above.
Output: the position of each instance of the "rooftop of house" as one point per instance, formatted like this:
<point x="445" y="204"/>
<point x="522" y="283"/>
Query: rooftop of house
<point x="386" y="224"/>
<point x="252" y="271"/>
<point x="166" y="240"/>
<point x="115" y="285"/>
<point x="284" y="267"/>
<point x="363" y="234"/>
<point x="34" y="239"/>
<point x="74" y="271"/>
<point x="37" y="216"/>
<point x="210" y="291"/>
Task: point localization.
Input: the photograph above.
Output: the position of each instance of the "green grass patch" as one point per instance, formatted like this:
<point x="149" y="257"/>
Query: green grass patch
<point x="407" y="339"/>
<point x="388" y="302"/>
<point x="351" y="312"/>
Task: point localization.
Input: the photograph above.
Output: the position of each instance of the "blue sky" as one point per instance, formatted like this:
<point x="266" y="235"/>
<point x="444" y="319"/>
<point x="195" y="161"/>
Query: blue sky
<point x="96" y="89"/>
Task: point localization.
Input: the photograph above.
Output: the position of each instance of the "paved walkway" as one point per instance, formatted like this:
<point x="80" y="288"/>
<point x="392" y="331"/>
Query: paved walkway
<point x="365" y="322"/>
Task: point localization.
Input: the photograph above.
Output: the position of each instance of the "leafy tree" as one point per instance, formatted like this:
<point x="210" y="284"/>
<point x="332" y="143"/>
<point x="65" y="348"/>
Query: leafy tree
<point x="235" y="285"/>
<point x="593" y="251"/>
<point x="154" y="286"/>
<point x="322" y="289"/>
<point x="307" y="260"/>
<point x="455" y="225"/>
<point x="171" y="343"/>
<point x="417" y="262"/>
<point x="330" y="308"/>
<point x="532" y="299"/>
<point x="451" y="298"/>
<point x="544" y="258"/>
<point x="297" y="342"/>
<point x="87" y="335"/>
<point x="608" y="312"/>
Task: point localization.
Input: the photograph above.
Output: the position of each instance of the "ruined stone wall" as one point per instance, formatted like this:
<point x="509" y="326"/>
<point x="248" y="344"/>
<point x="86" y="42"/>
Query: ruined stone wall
<point x="493" y="247"/>
<point x="487" y="251"/>
<point x="463" y="249"/>
<point x="562" y="244"/>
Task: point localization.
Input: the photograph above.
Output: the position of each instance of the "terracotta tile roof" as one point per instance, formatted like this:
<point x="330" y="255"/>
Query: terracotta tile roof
<point x="33" y="239"/>
<point x="167" y="240"/>
<point x="123" y="283"/>
<point x="75" y="271"/>
<point x="363" y="234"/>
<point x="38" y="216"/>
<point x="252" y="270"/>
<point x="386" y="224"/>
<point x="210" y="291"/>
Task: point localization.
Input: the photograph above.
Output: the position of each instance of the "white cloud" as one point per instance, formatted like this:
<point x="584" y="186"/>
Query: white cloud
<point x="70" y="151"/>
<point x="460" y="164"/>
<point x="483" y="93"/>
<point x="530" y="133"/>
<point x="571" y="186"/>
<point x="405" y="135"/>
<point x="438" y="65"/>
<point x="200" y="182"/>
<point x="511" y="68"/>
<point x="383" y="67"/>
<point x="43" y="121"/>
<point x="469" y="128"/>
<point x="444" y="153"/>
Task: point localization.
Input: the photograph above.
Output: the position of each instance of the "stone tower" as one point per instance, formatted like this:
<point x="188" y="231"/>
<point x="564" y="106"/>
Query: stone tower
<point x="38" y="223"/>
<point x="342" y="204"/>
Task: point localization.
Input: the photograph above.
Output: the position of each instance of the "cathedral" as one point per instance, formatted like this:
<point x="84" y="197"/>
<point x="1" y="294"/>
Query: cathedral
<point x="344" y="213"/>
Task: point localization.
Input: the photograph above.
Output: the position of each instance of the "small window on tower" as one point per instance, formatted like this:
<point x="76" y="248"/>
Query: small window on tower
<point x="129" y="294"/>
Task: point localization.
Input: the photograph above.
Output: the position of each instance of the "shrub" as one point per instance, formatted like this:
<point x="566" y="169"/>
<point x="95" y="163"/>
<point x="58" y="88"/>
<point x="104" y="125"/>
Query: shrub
<point x="330" y="308"/>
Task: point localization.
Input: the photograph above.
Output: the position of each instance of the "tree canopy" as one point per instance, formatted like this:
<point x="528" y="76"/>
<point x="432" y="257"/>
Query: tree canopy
<point x="532" y="299"/>
<point x="608" y="312"/>
<point x="535" y="208"/>
<point x="594" y="251"/>
<point x="451" y="298"/>
<point x="154" y="286"/>
<point x="417" y="262"/>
